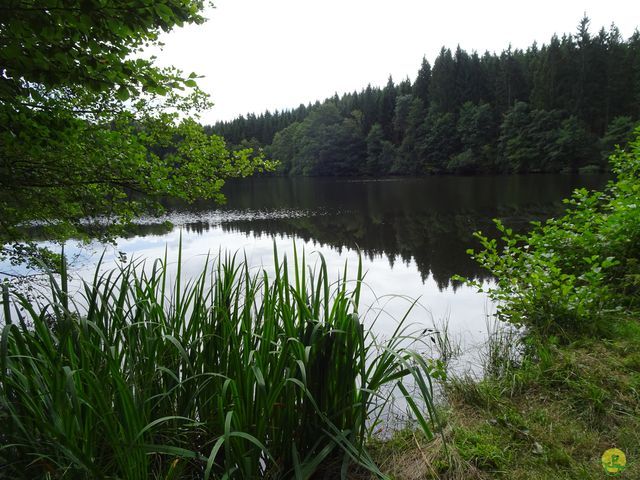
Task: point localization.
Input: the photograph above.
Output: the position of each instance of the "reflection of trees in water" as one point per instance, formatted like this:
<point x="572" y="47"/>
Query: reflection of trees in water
<point x="429" y="220"/>
<point x="436" y="242"/>
<point x="97" y="231"/>
<point x="147" y="229"/>
<point x="197" y="227"/>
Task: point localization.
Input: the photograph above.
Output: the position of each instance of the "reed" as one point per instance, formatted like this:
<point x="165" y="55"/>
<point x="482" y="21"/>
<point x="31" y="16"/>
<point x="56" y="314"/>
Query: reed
<point x="233" y="374"/>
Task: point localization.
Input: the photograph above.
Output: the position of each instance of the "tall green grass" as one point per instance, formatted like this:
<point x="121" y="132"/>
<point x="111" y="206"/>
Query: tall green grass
<point x="233" y="374"/>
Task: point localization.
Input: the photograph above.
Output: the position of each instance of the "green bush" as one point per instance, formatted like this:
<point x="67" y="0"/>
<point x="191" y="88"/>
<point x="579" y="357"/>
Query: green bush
<point x="567" y="274"/>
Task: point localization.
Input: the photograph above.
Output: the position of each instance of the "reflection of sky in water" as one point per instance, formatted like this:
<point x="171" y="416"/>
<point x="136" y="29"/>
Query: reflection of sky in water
<point x="392" y="288"/>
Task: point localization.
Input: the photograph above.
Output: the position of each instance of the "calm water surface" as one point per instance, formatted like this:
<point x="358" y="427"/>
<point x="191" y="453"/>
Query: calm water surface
<point x="413" y="234"/>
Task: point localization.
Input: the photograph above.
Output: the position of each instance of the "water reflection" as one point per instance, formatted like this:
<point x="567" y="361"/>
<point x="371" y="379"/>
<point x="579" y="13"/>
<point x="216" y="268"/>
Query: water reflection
<point x="429" y="221"/>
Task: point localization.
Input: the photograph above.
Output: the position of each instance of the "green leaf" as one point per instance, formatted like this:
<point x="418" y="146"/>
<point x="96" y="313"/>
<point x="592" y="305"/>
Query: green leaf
<point x="122" y="93"/>
<point x="163" y="11"/>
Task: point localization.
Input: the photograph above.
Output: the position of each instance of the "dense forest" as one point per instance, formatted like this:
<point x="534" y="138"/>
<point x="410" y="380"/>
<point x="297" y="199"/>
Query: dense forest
<point x="559" y="107"/>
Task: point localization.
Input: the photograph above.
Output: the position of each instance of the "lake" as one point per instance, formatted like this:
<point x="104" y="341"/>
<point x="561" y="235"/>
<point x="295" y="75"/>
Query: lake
<point x="412" y="233"/>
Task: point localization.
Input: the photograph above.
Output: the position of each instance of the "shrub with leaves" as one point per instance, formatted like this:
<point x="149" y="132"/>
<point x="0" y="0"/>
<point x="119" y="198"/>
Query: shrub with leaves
<point x="566" y="274"/>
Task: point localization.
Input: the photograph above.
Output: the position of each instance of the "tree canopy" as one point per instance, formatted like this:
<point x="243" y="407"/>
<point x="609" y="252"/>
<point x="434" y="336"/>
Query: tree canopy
<point x="557" y="107"/>
<point x="91" y="130"/>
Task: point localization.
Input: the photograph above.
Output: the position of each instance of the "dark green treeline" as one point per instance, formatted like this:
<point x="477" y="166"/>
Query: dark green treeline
<point x="559" y="107"/>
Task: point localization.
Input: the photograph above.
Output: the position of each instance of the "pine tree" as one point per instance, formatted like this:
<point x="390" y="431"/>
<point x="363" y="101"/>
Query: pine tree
<point x="442" y="88"/>
<point x="386" y="108"/>
<point x="422" y="82"/>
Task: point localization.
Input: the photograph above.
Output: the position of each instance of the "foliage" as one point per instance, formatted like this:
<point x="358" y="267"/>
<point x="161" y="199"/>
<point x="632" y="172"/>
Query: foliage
<point x="618" y="133"/>
<point x="564" y="275"/>
<point x="380" y="152"/>
<point x="527" y="138"/>
<point x="92" y="132"/>
<point x="237" y="374"/>
<point x="574" y="146"/>
<point x="542" y="109"/>
<point x="325" y="143"/>
<point x="440" y="142"/>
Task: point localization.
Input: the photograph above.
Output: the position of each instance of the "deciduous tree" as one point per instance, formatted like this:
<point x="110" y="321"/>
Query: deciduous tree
<point x="89" y="128"/>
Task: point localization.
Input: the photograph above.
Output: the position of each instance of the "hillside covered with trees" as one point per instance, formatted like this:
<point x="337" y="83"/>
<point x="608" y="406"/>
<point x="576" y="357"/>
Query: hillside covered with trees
<point x="557" y="107"/>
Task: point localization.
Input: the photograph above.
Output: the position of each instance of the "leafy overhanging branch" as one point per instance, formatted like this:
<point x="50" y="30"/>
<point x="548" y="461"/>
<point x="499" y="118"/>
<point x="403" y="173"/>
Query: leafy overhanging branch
<point x="90" y="129"/>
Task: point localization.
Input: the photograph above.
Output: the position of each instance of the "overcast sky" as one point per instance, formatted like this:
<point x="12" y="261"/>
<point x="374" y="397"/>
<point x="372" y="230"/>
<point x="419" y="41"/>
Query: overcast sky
<point x="274" y="54"/>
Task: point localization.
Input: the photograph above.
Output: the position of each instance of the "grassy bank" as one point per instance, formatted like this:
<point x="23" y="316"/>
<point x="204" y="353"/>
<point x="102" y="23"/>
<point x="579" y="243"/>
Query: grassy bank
<point x="550" y="417"/>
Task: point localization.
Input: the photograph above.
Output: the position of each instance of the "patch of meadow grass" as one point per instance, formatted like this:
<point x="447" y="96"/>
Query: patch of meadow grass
<point x="551" y="415"/>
